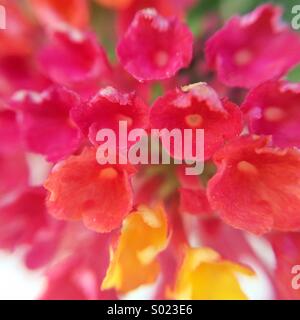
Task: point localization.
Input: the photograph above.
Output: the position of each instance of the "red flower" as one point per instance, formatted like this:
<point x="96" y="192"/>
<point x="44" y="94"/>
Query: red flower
<point x="165" y="8"/>
<point x="103" y="192"/>
<point x="257" y="186"/>
<point x="19" y="73"/>
<point x="198" y="107"/>
<point x="13" y="173"/>
<point x="286" y="274"/>
<point x="254" y="48"/>
<point x="107" y="108"/>
<point x="18" y="37"/>
<point x="26" y="222"/>
<point x="52" y="13"/>
<point x="193" y="197"/>
<point x="73" y="58"/>
<point x="194" y="202"/>
<point x="155" y="47"/>
<point x="273" y="109"/>
<point x="45" y="122"/>
<point x="230" y="242"/>
<point x="9" y="131"/>
<point x="115" y="4"/>
<point x="79" y="275"/>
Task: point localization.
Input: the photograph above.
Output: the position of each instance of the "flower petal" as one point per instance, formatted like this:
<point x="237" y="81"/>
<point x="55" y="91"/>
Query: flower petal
<point x="103" y="193"/>
<point x="248" y="50"/>
<point x="273" y="109"/>
<point x="257" y="187"/>
<point x="197" y="107"/>
<point x="155" y="47"/>
<point x="205" y="275"/>
<point x="45" y="122"/>
<point x="134" y="261"/>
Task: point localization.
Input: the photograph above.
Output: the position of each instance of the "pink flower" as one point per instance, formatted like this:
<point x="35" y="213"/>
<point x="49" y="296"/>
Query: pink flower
<point x="14" y="173"/>
<point x="194" y="201"/>
<point x="197" y="107"/>
<point x="80" y="273"/>
<point x="19" y="73"/>
<point x="273" y="109"/>
<point x="286" y="250"/>
<point x="254" y="48"/>
<point x="45" y="122"/>
<point x="193" y="196"/>
<point x="155" y="47"/>
<point x="10" y="136"/>
<point x="25" y="222"/>
<point x="165" y="8"/>
<point x="106" y="109"/>
<point x="73" y="57"/>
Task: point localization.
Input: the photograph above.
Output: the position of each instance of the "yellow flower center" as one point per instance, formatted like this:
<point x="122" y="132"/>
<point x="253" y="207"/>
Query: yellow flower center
<point x="194" y="120"/>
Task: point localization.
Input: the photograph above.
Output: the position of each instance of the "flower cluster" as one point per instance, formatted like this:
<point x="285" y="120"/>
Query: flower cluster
<point x="100" y="231"/>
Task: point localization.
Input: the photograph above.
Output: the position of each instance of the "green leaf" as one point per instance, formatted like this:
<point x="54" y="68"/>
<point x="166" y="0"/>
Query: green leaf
<point x="294" y="74"/>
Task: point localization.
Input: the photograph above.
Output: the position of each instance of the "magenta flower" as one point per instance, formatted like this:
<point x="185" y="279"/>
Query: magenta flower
<point x="45" y="123"/>
<point x="273" y="109"/>
<point x="248" y="50"/>
<point x="155" y="47"/>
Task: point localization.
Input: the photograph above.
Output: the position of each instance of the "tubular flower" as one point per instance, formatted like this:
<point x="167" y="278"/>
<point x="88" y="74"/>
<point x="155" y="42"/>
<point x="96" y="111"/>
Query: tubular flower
<point x="10" y="136"/>
<point x="17" y="39"/>
<point x="116" y="4"/>
<point x="52" y="13"/>
<point x="20" y="73"/>
<point x="14" y="173"/>
<point x="194" y="201"/>
<point x="25" y="222"/>
<point x="248" y="50"/>
<point x="286" y="274"/>
<point x="134" y="261"/>
<point x="96" y="186"/>
<point x="204" y="275"/>
<point x="197" y="107"/>
<point x="79" y="274"/>
<point x="193" y="196"/>
<point x="165" y="8"/>
<point x="45" y="123"/>
<point x="73" y="57"/>
<point x="106" y="109"/>
<point x="273" y="109"/>
<point x="155" y="47"/>
<point x="251" y="175"/>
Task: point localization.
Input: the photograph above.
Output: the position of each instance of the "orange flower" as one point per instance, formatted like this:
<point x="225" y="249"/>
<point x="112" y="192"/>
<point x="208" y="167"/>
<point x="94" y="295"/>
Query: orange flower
<point x="81" y="189"/>
<point x="134" y="262"/>
<point x="205" y="275"/>
<point x="51" y="13"/>
<point x="115" y="4"/>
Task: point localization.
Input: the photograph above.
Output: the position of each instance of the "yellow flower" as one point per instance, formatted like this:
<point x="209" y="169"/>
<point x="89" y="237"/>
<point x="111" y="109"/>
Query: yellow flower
<point x="144" y="235"/>
<point x="204" y="275"/>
